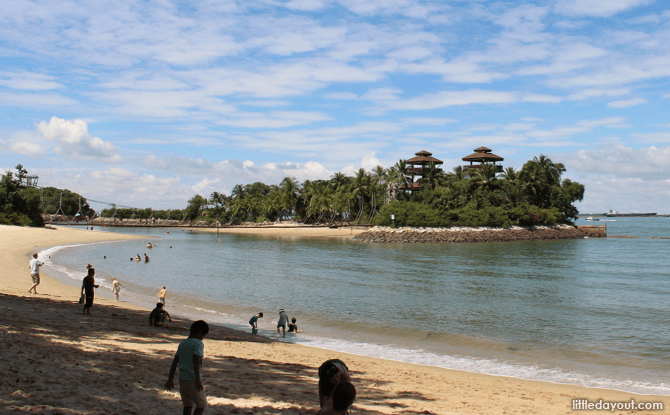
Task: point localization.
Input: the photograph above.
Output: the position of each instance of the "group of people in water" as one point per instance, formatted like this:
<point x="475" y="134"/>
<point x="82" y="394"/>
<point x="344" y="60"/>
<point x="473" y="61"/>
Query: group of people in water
<point x="281" y="323"/>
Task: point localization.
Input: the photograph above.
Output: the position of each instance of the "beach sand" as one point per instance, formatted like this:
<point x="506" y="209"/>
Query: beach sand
<point x="289" y="231"/>
<point x="57" y="361"/>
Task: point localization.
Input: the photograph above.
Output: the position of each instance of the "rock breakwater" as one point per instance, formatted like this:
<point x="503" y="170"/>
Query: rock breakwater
<point x="381" y="234"/>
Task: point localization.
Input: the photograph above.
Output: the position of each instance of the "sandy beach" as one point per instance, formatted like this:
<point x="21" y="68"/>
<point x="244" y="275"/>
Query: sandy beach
<point x="57" y="361"/>
<point x="288" y="231"/>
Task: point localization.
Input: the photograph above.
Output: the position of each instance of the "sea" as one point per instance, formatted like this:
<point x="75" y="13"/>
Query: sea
<point x="593" y="312"/>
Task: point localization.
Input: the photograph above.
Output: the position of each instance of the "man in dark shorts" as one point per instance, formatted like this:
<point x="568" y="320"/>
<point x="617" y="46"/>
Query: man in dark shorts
<point x="158" y="316"/>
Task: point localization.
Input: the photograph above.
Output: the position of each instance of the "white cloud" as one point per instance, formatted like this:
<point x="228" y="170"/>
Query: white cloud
<point x="28" y="81"/>
<point x="647" y="163"/>
<point x="75" y="142"/>
<point x="627" y="103"/>
<point x="223" y="175"/>
<point x="599" y="8"/>
<point x="27" y="149"/>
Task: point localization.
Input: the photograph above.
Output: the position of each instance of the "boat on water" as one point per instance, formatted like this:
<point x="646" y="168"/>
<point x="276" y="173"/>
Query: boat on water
<point x="614" y="213"/>
<point x="592" y="218"/>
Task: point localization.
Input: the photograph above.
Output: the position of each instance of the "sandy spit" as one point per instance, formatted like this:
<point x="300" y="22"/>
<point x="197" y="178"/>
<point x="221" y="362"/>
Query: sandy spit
<point x="54" y="360"/>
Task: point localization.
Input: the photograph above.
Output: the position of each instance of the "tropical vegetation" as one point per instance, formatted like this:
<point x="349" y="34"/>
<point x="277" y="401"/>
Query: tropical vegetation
<point x="19" y="203"/>
<point x="534" y="195"/>
<point x="482" y="196"/>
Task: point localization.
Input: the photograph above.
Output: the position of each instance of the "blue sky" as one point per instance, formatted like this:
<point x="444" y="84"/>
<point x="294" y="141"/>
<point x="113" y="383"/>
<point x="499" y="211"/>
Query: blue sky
<point x="146" y="103"/>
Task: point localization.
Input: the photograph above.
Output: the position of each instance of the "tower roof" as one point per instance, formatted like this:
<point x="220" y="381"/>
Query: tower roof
<point x="424" y="156"/>
<point x="483" y="154"/>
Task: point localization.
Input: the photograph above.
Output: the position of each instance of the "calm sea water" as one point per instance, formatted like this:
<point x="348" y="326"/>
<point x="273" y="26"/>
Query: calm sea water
<point x="592" y="312"/>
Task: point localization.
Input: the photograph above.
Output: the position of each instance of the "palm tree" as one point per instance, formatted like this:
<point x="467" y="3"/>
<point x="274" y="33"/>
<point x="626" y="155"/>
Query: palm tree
<point x="238" y="192"/>
<point x="289" y="194"/>
<point x="431" y="174"/>
<point x="339" y="179"/>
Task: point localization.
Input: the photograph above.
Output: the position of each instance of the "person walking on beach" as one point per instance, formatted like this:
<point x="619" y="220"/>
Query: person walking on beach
<point x="34" y="266"/>
<point x="189" y="359"/>
<point x="116" y="287"/>
<point x="254" y="322"/>
<point x="161" y="295"/>
<point x="281" y="323"/>
<point x="87" y="288"/>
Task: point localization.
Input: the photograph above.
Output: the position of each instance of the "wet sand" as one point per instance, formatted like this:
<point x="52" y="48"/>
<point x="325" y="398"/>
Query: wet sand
<point x="57" y="361"/>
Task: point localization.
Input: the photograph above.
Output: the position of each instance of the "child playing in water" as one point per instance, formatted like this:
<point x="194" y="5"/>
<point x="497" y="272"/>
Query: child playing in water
<point x="116" y="287"/>
<point x="292" y="327"/>
<point x="254" y="322"/>
<point x="161" y="295"/>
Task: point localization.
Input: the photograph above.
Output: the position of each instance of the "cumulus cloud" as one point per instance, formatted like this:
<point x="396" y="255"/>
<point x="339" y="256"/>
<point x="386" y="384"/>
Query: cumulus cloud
<point x="74" y="141"/>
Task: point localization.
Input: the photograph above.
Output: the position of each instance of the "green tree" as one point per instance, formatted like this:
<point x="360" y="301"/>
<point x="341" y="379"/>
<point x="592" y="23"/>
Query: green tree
<point x="196" y="205"/>
<point x="19" y="205"/>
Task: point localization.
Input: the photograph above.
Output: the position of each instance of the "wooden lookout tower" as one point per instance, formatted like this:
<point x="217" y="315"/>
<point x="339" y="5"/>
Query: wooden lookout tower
<point x="480" y="156"/>
<point x="416" y="166"/>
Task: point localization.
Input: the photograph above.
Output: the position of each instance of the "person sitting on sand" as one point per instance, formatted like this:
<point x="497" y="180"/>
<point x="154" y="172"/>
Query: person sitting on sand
<point x="344" y="395"/>
<point x="146" y="258"/>
<point x="161" y="295"/>
<point x="116" y="287"/>
<point x="292" y="327"/>
<point x="158" y="316"/>
<point x="331" y="373"/>
<point x="254" y="322"/>
<point x="138" y="258"/>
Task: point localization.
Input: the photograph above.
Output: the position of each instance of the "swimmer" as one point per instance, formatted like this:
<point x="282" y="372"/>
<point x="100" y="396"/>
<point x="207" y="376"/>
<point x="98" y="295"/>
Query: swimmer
<point x="149" y="245"/>
<point x="138" y="258"/>
<point x="146" y="258"/>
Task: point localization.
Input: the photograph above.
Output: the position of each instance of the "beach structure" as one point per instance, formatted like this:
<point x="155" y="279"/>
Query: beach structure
<point x="482" y="155"/>
<point x="416" y="167"/>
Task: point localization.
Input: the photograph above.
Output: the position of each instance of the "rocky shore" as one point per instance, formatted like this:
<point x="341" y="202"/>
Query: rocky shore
<point x="381" y="234"/>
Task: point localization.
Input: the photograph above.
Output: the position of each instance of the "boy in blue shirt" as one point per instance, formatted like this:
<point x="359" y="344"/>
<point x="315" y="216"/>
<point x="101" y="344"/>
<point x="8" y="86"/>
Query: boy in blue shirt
<point x="189" y="359"/>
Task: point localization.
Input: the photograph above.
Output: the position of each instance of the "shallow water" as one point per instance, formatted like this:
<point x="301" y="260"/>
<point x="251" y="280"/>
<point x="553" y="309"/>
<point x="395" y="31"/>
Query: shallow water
<point x="588" y="311"/>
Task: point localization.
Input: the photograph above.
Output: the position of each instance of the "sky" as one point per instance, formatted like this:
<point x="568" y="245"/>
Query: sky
<point x="148" y="103"/>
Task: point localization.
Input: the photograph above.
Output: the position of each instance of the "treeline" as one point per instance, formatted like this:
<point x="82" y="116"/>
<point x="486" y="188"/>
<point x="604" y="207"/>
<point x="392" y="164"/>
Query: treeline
<point x="533" y="195"/>
<point x="19" y="204"/>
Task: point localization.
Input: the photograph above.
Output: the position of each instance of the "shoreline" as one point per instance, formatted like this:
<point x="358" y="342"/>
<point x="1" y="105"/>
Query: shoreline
<point x="384" y="385"/>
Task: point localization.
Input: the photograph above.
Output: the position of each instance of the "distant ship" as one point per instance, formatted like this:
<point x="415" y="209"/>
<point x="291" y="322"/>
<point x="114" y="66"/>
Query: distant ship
<point x="613" y="213"/>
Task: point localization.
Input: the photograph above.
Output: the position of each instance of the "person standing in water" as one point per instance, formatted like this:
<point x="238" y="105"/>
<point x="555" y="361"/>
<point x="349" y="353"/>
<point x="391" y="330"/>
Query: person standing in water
<point x="161" y="295"/>
<point x="281" y="323"/>
<point x="116" y="287"/>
